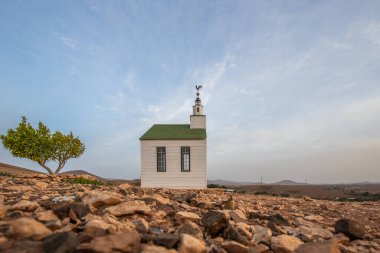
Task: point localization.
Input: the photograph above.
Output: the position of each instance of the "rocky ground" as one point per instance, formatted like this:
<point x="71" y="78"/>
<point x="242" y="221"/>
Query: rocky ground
<point x="41" y="213"/>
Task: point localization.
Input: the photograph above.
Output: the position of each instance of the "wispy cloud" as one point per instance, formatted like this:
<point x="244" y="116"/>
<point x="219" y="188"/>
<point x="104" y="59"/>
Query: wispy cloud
<point x="69" y="42"/>
<point x="99" y="107"/>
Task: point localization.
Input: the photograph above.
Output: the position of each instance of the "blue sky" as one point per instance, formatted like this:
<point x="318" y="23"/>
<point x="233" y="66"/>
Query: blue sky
<point x="291" y="88"/>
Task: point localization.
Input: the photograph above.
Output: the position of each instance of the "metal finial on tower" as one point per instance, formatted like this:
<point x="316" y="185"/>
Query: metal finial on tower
<point x="198" y="87"/>
<point x="198" y="100"/>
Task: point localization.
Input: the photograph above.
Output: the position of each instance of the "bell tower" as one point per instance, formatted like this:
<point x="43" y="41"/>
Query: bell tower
<point x="198" y="119"/>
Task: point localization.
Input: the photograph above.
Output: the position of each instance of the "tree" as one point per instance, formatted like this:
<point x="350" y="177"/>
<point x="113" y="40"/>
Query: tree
<point x="39" y="145"/>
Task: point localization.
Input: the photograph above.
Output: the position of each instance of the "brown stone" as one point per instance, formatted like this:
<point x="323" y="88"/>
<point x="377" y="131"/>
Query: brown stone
<point x="19" y="188"/>
<point x="329" y="246"/>
<point x="125" y="186"/>
<point x="128" y="242"/>
<point x="28" y="228"/>
<point x="285" y="243"/>
<point x="244" y="230"/>
<point x="235" y="247"/>
<point x="40" y="185"/>
<point x="2" y="199"/>
<point x="100" y="199"/>
<point x="24" y="205"/>
<point x="22" y="246"/>
<point x="3" y="211"/>
<point x="181" y="217"/>
<point x="96" y="228"/>
<point x="313" y="232"/>
<point x="262" y="235"/>
<point x="160" y="199"/>
<point x="216" y="249"/>
<point x="46" y="216"/>
<point x="130" y="207"/>
<point x="238" y="216"/>
<point x="190" y="244"/>
<point x="230" y="203"/>
<point x="156" y="249"/>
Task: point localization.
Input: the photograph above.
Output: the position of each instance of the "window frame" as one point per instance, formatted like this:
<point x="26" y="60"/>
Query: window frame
<point x="159" y="162"/>
<point x="183" y="153"/>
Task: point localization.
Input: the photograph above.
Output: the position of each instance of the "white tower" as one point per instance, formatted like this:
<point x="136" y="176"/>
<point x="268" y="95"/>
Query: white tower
<point x="198" y="119"/>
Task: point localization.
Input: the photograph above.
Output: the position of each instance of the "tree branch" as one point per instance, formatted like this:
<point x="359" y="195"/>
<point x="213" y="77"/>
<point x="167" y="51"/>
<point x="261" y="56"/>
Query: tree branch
<point x="61" y="165"/>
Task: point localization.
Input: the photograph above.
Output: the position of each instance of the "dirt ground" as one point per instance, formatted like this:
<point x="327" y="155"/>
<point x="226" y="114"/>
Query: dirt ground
<point x="315" y="191"/>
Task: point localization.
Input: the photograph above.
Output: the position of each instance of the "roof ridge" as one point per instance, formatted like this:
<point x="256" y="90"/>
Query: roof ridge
<point x="173" y="132"/>
<point x="169" y="124"/>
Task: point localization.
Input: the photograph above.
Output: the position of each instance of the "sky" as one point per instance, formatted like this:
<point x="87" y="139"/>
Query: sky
<point x="291" y="89"/>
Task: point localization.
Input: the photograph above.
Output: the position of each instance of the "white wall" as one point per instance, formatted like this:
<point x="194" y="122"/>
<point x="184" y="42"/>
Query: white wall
<point x="197" y="121"/>
<point x="173" y="177"/>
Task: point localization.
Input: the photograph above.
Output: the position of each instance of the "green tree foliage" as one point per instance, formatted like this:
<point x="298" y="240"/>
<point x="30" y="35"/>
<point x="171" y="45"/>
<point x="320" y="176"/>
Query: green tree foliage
<point x="39" y="145"/>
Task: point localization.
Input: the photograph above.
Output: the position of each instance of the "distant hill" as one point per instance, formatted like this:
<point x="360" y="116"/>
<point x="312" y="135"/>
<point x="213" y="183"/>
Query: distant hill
<point x="81" y="173"/>
<point x="104" y="180"/>
<point x="287" y="182"/>
<point x="16" y="170"/>
<point x="230" y="183"/>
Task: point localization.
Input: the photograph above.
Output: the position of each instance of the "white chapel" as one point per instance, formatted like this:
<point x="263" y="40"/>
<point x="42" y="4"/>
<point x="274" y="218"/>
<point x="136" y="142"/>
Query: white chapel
<point x="174" y="155"/>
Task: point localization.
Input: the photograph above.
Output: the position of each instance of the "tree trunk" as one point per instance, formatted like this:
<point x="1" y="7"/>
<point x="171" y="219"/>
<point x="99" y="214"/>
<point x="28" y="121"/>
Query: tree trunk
<point x="46" y="168"/>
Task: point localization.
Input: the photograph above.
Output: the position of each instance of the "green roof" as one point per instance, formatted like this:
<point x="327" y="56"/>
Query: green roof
<point x="173" y="132"/>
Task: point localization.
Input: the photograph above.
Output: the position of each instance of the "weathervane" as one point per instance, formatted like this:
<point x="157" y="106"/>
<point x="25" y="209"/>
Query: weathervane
<point x="198" y="87"/>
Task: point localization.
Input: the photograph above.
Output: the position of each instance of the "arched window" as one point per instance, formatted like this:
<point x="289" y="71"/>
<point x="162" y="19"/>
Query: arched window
<point x="197" y="109"/>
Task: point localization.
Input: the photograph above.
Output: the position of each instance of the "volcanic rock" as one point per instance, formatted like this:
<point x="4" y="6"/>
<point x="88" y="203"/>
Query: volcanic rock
<point x="214" y="222"/>
<point x="142" y="226"/>
<point x="64" y="210"/>
<point x="60" y="243"/>
<point x="351" y="228"/>
<point x="190" y="228"/>
<point x="231" y="233"/>
<point x="167" y="240"/>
